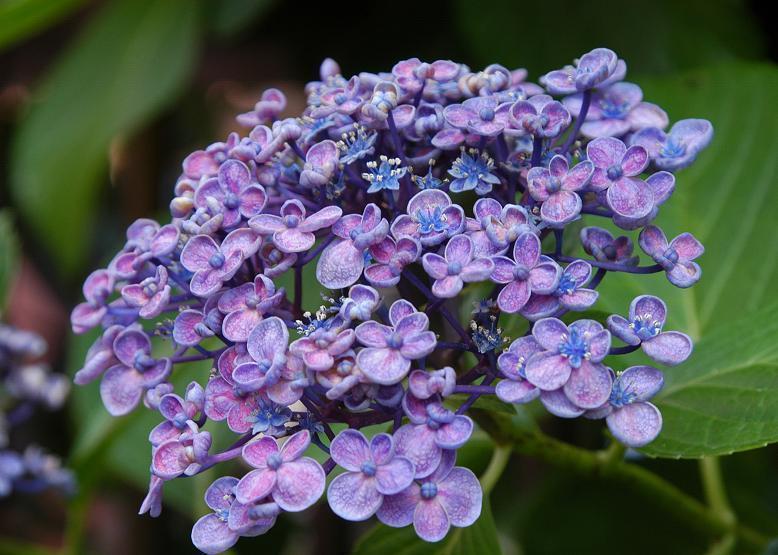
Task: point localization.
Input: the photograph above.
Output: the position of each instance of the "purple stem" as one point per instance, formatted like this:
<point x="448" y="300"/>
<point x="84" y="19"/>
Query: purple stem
<point x="585" y="101"/>
<point x="479" y="389"/>
<point x="623" y="350"/>
<point x="537" y="151"/>
<point x="612" y="266"/>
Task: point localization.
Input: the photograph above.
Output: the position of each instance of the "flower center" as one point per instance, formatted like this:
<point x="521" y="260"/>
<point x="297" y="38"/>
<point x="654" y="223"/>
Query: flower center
<point x="252" y="300"/>
<point x="672" y="149"/>
<point x="395" y="341"/>
<point x="217" y="260"/>
<point x="291" y="221"/>
<point x="620" y="396"/>
<point x="566" y="285"/>
<point x="454" y="268"/>
<point x="554" y="185"/>
<point x="142" y="361"/>
<point x="231" y="201"/>
<point x="614" y="172"/>
<point x="575" y="348"/>
<point x="486" y="114"/>
<point x="274" y="461"/>
<point x="645" y="327"/>
<point x="429" y="490"/>
<point x="520" y="272"/>
<point x="368" y="468"/>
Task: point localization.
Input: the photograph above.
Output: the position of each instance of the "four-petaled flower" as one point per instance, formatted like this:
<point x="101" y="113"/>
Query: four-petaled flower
<point x="184" y="454"/>
<point x="615" y="169"/>
<point x="459" y="266"/>
<point x="373" y="471"/>
<point x="484" y="116"/>
<point x="97" y="288"/>
<point x="292" y="231"/>
<point x="539" y="116"/>
<point x="512" y="363"/>
<point x="150" y="295"/>
<point x="293" y="481"/>
<point x="391" y="257"/>
<point x="431" y="218"/>
<point x="244" y="306"/>
<point x="601" y="244"/>
<point x="647" y="316"/>
<point x="596" y="68"/>
<point x="319" y="349"/>
<point x="236" y="194"/>
<point x="556" y="189"/>
<point x="267" y="344"/>
<point x="676" y="257"/>
<point x="321" y="161"/>
<point x="679" y="147"/>
<point x="472" y="172"/>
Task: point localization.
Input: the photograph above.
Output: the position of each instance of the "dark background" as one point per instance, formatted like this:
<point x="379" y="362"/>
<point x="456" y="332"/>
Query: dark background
<point x="238" y="49"/>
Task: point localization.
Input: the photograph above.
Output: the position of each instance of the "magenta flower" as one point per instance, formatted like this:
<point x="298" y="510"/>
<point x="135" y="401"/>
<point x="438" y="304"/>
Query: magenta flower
<point x="373" y="471"/>
<point x="321" y="161"/>
<point x="556" y="187"/>
<point x="213" y="264"/>
<point x="539" y="116"/>
<point x="97" y="288"/>
<point x="483" y="116"/>
<point x="245" y="305"/>
<point x="571" y="360"/>
<point x="523" y="275"/>
<point x="451" y="496"/>
<point x="630" y="417"/>
<point x="293" y="481"/>
<point x="100" y="357"/>
<point x="272" y="103"/>
<point x="266" y="345"/>
<point x="601" y="244"/>
<point x="676" y="257"/>
<point x="615" y="168"/>
<point x="617" y="110"/>
<point x="292" y="231"/>
<point x="495" y="226"/>
<point x="177" y="412"/>
<point x="596" y="68"/>
<point x="391" y="257"/>
<point x="647" y="316"/>
<point x="458" y="267"/>
<point x="145" y="240"/>
<point x="360" y="303"/>
<point x="319" y="349"/>
<point x="275" y="261"/>
<point x="123" y="384"/>
<point x="512" y="364"/>
<point x="431" y="218"/>
<point x="342" y="262"/>
<point x="192" y="326"/>
<point x="390" y="349"/>
<point x="150" y="295"/>
<point x="433" y="429"/>
<point x="341" y="100"/>
<point x="184" y="454"/>
<point x="679" y="147"/>
<point x="423" y="384"/>
<point x="234" y="191"/>
<point x="227" y="400"/>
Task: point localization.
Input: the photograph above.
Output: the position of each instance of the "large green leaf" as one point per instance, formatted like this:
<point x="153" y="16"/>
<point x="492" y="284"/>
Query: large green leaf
<point x="725" y="398"/>
<point x="479" y="538"/>
<point x="22" y="18"/>
<point x="129" y="63"/>
<point x="664" y="36"/>
<point x="8" y="254"/>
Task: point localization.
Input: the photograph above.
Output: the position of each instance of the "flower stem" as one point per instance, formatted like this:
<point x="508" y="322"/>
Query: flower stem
<point x="499" y="460"/>
<point x="585" y="102"/>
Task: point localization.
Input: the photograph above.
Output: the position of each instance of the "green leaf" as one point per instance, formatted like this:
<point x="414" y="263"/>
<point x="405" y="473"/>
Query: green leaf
<point x="669" y="36"/>
<point x="479" y="538"/>
<point x="23" y="18"/>
<point x="725" y="397"/>
<point x="8" y="254"/>
<point x="129" y="63"/>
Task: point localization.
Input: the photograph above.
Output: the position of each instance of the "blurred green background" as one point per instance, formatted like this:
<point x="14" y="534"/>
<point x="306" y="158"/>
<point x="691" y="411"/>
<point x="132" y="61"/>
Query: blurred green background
<point x="101" y="100"/>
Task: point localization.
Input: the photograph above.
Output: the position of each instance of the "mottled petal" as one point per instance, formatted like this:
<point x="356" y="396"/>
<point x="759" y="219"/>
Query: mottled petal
<point x="350" y="449"/>
<point x="516" y="391"/>
<point x="121" y="390"/>
<point x="455" y="434"/>
<point x="299" y="484"/>
<point x="557" y="403"/>
<point x="417" y="444"/>
<point x="430" y="520"/>
<point x="340" y="265"/>
<point x="394" y="476"/>
<point x="513" y="296"/>
<point x="383" y="366"/>
<point x="670" y="348"/>
<point x="549" y="333"/>
<point x="353" y="496"/>
<point x="211" y="535"/>
<point x="548" y="371"/>
<point x="589" y="386"/>
<point x="461" y="496"/>
<point x="397" y="510"/>
<point x="635" y="425"/>
<point x="255" y="485"/>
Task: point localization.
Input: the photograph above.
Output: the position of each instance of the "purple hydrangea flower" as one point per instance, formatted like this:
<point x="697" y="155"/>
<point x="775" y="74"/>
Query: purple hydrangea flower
<point x="390" y="349"/>
<point x="601" y="244"/>
<point x="235" y="193"/>
<point x="539" y="116"/>
<point x="556" y="187"/>
<point x="617" y="110"/>
<point x="319" y="349"/>
<point x="341" y="100"/>
<point x="293" y="481"/>
<point x="184" y="454"/>
<point x="360" y="303"/>
<point x="523" y="275"/>
<point x="423" y="384"/>
<point x="459" y="266"/>
<point x="431" y="218"/>
<point x="571" y="360"/>
<point x="123" y="384"/>
<point x="321" y="161"/>
<point x="97" y="288"/>
<point x="373" y="472"/>
<point x="177" y="412"/>
<point x="678" y="148"/>
<point x="596" y="68"/>
<point x="451" y="496"/>
<point x="292" y="231"/>
<point x="214" y="264"/>
<point x="272" y="103"/>
<point x="495" y="226"/>
<point x="266" y="345"/>
<point x="150" y="295"/>
<point x="615" y="168"/>
<point x="100" y="357"/>
<point x="244" y="306"/>
<point x="647" y="316"/>
<point x="391" y="257"/>
<point x="472" y="172"/>
<point x="484" y="116"/>
<point x="676" y="257"/>
<point x="512" y="364"/>
<point x="192" y="326"/>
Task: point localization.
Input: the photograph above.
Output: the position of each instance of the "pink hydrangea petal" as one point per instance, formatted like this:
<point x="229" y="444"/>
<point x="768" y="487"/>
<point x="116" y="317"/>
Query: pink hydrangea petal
<point x="170" y="459"/>
<point x="430" y="520"/>
<point x="383" y="366"/>
<point x="513" y="296"/>
<point x="200" y="163"/>
<point x="206" y="282"/>
<point x="293" y="240"/>
<point x="299" y="484"/>
<point x="350" y="449"/>
<point x="121" y="390"/>
<point x="589" y="385"/>
<point x="544" y="277"/>
<point x="381" y="275"/>
<point x="461" y="496"/>
<point x="605" y="152"/>
<point x="255" y="485"/>
<point x="561" y="208"/>
<point x="240" y="417"/>
<point x="238" y="325"/>
<point x="321" y="219"/>
<point x="477" y="270"/>
<point x="557" y="403"/>
<point x="394" y="476"/>
<point x="448" y="287"/>
<point x="636" y="424"/>
<point x="417" y="444"/>
<point x="219" y="399"/>
<point x="412" y="323"/>
<point x="548" y="371"/>
<point x="687" y="246"/>
<point x="267" y="224"/>
<point x="418" y="345"/>
<point x="252" y="201"/>
<point x="516" y="391"/>
<point x="257" y="452"/>
<point x="353" y="496"/>
<point x="540" y="306"/>
<point x="435" y="265"/>
<point x="526" y="251"/>
<point x="268" y="338"/>
<point x="458" y="115"/>
<point x="198" y="252"/>
<point x="669" y="348"/>
<point x="459" y="249"/>
<point x="503" y="269"/>
<point x="241" y="521"/>
<point x="340" y="265"/>
<point x="399" y="310"/>
<point x="455" y="434"/>
<point x="295" y="446"/>
<point x="397" y="510"/>
<point x="211" y="535"/>
<point x="382" y="448"/>
<point x="635" y="160"/>
<point x="580" y="299"/>
<point x="630" y="198"/>
<point x="549" y="333"/>
<point x="373" y="334"/>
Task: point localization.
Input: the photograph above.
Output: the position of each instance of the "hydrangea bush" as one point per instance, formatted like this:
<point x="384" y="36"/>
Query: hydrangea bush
<point x="402" y="194"/>
<point x="26" y="385"/>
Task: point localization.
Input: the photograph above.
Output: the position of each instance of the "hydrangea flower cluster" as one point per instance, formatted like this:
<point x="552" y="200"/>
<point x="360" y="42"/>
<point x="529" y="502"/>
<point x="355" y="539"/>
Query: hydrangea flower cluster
<point x="24" y="386"/>
<point x="397" y="192"/>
